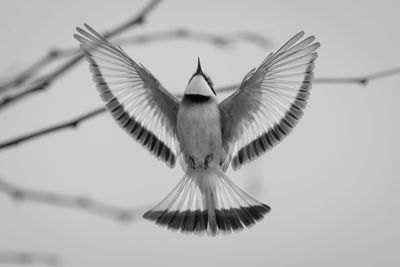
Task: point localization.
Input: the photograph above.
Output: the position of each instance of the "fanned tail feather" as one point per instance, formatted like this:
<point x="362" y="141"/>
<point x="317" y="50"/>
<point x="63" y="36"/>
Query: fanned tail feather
<point x="207" y="201"/>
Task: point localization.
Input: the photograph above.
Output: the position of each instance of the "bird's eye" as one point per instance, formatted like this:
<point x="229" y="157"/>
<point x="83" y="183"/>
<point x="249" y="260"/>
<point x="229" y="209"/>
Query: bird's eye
<point x="209" y="82"/>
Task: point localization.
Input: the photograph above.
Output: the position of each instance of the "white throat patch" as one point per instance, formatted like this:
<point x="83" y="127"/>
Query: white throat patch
<point x="198" y="86"/>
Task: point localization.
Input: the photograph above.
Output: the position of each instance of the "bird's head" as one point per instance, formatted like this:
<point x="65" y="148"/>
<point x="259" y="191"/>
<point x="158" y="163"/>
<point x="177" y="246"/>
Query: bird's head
<point x="200" y="84"/>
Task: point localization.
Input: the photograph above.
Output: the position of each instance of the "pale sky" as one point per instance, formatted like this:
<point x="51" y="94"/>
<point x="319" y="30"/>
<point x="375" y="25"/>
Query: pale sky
<point x="332" y="184"/>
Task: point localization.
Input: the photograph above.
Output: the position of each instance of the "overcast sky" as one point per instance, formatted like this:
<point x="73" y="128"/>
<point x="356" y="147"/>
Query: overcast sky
<point x="333" y="184"/>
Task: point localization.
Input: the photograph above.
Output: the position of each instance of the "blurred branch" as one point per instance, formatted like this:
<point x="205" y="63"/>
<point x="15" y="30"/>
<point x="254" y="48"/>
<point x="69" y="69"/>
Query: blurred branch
<point x="73" y="123"/>
<point x="45" y="81"/>
<point x="254" y="38"/>
<point x="30" y="71"/>
<point x="26" y="75"/>
<point x="29" y="258"/>
<point x="77" y="202"/>
<point x="363" y="80"/>
<point x="198" y="36"/>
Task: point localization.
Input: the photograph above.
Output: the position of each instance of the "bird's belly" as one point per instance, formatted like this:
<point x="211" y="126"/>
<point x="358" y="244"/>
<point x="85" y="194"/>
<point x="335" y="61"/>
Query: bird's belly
<point x="199" y="133"/>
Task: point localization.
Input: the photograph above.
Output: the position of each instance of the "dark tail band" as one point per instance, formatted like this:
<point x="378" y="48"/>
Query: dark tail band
<point x="207" y="202"/>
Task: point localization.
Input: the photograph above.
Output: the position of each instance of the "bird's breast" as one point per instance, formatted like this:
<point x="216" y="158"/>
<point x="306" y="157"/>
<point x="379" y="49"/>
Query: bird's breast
<point x="199" y="129"/>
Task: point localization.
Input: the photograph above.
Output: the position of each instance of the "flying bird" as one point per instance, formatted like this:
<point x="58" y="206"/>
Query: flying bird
<point x="205" y="136"/>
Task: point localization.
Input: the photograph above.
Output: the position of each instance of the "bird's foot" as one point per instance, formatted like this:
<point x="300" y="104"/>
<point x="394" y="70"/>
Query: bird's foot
<point x="192" y="163"/>
<point x="208" y="160"/>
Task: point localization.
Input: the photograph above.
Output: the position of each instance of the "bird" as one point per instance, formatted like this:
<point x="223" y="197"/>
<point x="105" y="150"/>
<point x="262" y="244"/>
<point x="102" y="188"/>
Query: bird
<point x="204" y="135"/>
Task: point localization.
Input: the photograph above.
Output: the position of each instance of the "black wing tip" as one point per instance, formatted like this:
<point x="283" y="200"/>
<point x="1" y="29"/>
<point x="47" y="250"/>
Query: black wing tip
<point x="89" y="28"/>
<point x="77" y="36"/>
<point x="152" y="215"/>
<point x="80" y="30"/>
<point x="85" y="25"/>
<point x="196" y="221"/>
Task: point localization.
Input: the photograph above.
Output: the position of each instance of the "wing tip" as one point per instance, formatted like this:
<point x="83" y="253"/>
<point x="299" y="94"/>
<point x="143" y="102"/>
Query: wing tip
<point x="77" y="36"/>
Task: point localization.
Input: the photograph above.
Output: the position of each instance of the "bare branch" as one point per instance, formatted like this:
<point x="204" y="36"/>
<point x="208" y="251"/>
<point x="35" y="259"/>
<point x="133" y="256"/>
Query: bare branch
<point x="76" y="202"/>
<point x="198" y="36"/>
<point x="254" y="38"/>
<point x="31" y="70"/>
<point x="74" y="122"/>
<point x="29" y="258"/>
<point x="363" y="80"/>
<point x="138" y="19"/>
<point x="43" y="82"/>
<point x="54" y="54"/>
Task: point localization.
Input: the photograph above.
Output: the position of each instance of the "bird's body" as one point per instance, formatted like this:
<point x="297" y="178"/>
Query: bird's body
<point x="205" y="135"/>
<point x="199" y="131"/>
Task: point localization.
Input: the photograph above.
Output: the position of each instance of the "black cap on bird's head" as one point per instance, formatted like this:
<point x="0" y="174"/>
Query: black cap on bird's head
<point x="199" y="72"/>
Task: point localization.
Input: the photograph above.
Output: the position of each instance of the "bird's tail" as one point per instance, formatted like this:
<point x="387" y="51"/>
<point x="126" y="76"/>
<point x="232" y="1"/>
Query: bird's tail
<point x="207" y="201"/>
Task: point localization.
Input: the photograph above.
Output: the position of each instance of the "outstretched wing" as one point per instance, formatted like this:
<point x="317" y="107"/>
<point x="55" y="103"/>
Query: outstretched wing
<point x="269" y="102"/>
<point x="135" y="98"/>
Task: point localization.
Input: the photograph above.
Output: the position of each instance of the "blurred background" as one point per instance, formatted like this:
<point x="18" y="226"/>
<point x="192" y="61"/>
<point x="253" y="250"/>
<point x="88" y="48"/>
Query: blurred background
<point x="333" y="184"/>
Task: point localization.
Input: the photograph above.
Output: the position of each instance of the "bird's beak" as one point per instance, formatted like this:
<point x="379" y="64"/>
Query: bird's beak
<point x="199" y="70"/>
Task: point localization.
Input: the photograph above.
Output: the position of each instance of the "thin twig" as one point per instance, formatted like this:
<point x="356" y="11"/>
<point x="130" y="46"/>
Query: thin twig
<point x="45" y="81"/>
<point x="31" y="70"/>
<point x="363" y="80"/>
<point x="76" y="202"/>
<point x="138" y="19"/>
<point x="41" y="83"/>
<point x="74" y="122"/>
<point x="29" y="258"/>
